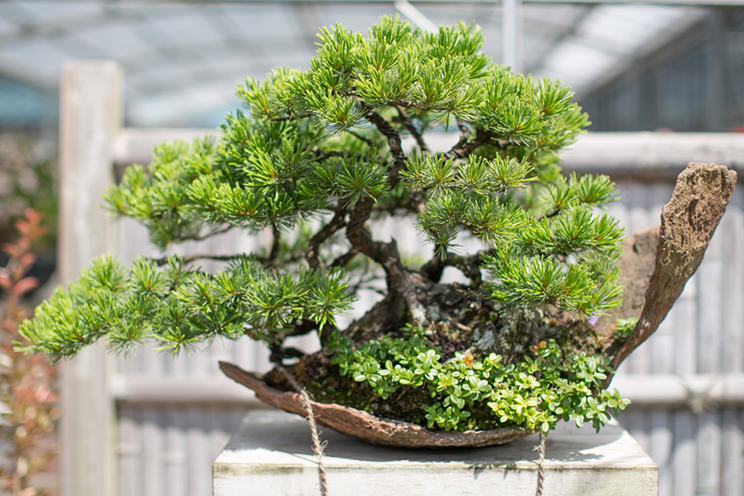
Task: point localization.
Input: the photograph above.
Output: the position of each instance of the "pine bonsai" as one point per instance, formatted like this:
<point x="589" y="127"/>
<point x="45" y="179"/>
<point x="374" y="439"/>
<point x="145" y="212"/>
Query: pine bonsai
<point x="321" y="155"/>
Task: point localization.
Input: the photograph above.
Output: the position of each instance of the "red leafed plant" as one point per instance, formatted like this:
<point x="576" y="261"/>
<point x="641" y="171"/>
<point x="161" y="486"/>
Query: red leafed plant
<point x="26" y="381"/>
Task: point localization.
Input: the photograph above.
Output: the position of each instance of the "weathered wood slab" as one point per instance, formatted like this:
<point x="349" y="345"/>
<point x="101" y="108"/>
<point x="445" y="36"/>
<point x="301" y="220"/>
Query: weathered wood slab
<point x="636" y="267"/>
<point x="688" y="222"/>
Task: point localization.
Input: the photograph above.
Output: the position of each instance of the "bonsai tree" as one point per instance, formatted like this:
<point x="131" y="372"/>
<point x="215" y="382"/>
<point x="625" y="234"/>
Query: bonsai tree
<point x="318" y="158"/>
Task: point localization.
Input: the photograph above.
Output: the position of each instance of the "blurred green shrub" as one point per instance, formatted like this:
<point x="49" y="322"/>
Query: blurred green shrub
<point x="27" y="180"/>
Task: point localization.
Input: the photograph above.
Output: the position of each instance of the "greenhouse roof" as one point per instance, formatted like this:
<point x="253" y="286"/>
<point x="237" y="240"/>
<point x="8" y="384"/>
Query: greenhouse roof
<point x="182" y="60"/>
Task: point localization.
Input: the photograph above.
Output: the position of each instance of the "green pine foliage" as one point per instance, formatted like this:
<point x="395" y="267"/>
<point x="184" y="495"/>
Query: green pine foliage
<point x="177" y="306"/>
<point x="318" y="153"/>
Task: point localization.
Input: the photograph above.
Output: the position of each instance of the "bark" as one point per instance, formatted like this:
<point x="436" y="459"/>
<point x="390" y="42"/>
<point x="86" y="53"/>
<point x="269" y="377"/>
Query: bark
<point x="394" y="142"/>
<point x="688" y="222"/>
<point x="468" y="265"/>
<point x="398" y="279"/>
<point x="337" y="222"/>
<point x="636" y="266"/>
<point x="275" y="244"/>
<point x="406" y="121"/>
<point x="463" y="148"/>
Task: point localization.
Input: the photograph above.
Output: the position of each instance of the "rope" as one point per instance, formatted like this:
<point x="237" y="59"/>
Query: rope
<point x="541" y="463"/>
<point x="318" y="447"/>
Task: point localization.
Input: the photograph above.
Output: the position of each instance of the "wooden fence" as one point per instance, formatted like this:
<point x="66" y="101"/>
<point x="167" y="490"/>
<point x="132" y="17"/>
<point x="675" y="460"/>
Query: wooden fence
<point x="172" y="416"/>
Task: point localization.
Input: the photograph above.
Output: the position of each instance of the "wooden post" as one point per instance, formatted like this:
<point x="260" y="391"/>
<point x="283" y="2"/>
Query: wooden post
<point x="90" y="118"/>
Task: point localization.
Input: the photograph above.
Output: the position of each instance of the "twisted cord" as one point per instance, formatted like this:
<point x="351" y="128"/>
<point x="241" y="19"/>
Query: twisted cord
<point x="540" y="448"/>
<point x="318" y="447"/>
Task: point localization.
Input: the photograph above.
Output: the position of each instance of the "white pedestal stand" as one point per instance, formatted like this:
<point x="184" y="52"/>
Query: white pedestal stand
<point x="270" y="455"/>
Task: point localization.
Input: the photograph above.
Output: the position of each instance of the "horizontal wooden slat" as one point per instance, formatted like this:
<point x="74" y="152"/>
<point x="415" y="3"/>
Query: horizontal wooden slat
<point x="181" y="390"/>
<point x="671" y="389"/>
<point x="642" y="154"/>
<point x="135" y="145"/>
<point x="652" y="154"/>
<point x="641" y="389"/>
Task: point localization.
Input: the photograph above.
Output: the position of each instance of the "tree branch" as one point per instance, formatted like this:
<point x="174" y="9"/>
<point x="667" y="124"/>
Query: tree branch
<point x="416" y="200"/>
<point x="279" y="353"/>
<point x="468" y="265"/>
<point x="386" y="254"/>
<point x="345" y="258"/>
<point x="320" y="154"/>
<point x="548" y="215"/>
<point x="394" y="142"/>
<point x="360" y="137"/>
<point x="275" y="244"/>
<point x="203" y="256"/>
<point x="463" y="148"/>
<point x="403" y="119"/>
<point x="202" y="237"/>
<point x="336" y="223"/>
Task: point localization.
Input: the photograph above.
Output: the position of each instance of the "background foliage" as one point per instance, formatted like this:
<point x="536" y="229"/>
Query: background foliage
<point x="27" y="382"/>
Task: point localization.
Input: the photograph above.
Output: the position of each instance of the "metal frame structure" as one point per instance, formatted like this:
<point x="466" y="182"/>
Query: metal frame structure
<point x="166" y="68"/>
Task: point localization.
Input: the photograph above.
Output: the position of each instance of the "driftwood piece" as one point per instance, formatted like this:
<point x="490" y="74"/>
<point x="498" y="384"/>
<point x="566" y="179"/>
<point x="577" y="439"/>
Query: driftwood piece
<point x="688" y="222"/>
<point x="636" y="267"/>
<point x="368" y="427"/>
